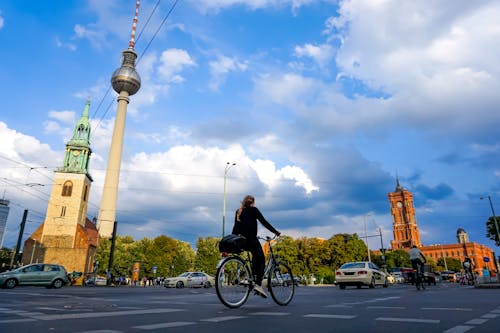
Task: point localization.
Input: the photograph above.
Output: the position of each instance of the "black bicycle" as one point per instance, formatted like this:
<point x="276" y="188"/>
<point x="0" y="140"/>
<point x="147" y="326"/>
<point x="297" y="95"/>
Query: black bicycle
<point x="234" y="280"/>
<point x="419" y="279"/>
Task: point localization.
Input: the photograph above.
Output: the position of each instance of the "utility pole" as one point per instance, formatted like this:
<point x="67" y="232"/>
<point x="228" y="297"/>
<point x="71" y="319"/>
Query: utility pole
<point x="111" y="255"/>
<point x="15" y="258"/>
<point x="382" y="250"/>
<point x="367" y="247"/>
<point x="226" y="170"/>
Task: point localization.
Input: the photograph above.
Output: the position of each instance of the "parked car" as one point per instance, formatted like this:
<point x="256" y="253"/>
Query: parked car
<point x="98" y="281"/>
<point x="398" y="277"/>
<point x="285" y="278"/>
<point x="49" y="275"/>
<point x="361" y="273"/>
<point x="190" y="279"/>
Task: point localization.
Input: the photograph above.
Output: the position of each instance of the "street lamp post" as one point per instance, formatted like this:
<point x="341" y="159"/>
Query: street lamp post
<point x="444" y="258"/>
<point x="226" y="170"/>
<point x="494" y="217"/>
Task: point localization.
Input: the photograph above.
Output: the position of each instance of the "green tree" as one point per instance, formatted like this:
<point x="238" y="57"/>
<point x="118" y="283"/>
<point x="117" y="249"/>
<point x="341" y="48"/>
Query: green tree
<point x="491" y="229"/>
<point x="398" y="258"/>
<point x="286" y="249"/>
<point x="452" y="264"/>
<point x="5" y="258"/>
<point x="207" y="254"/>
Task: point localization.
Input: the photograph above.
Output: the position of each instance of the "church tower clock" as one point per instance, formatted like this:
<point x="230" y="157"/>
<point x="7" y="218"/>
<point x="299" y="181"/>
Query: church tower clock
<point x="405" y="229"/>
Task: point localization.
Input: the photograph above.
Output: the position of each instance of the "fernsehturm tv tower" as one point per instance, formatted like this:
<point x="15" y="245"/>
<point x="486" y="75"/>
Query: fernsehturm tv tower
<point x="126" y="82"/>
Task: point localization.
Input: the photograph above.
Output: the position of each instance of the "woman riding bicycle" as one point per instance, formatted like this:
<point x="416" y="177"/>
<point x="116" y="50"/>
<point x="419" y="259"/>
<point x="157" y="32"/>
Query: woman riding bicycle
<point x="417" y="260"/>
<point x="245" y="224"/>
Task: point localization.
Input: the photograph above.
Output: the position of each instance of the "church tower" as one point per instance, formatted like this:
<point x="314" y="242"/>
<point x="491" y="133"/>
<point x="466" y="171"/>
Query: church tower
<point x="405" y="229"/>
<point x="66" y="236"/>
<point x="68" y="202"/>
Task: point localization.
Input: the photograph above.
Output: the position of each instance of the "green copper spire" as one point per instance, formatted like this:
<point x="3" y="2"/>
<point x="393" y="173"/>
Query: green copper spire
<point x="76" y="159"/>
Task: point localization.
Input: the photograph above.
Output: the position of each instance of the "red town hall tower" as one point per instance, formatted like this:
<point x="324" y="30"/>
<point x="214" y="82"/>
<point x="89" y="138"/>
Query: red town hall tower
<point x="406" y="234"/>
<point x="405" y="227"/>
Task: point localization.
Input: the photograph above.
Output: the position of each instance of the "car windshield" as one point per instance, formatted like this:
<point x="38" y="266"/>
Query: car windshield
<point x="353" y="265"/>
<point x="184" y="274"/>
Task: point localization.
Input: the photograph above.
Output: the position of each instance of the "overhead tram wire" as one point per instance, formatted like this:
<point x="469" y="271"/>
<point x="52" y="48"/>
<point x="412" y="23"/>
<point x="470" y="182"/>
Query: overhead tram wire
<point x="139" y="58"/>
<point x="158" y="30"/>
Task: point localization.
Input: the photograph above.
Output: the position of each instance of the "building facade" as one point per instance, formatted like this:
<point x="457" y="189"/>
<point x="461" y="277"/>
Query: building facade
<point x="4" y="214"/>
<point x="407" y="234"/>
<point x="67" y="236"/>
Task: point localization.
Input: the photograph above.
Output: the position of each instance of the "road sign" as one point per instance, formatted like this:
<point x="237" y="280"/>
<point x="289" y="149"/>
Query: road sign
<point x="154" y="269"/>
<point x="486" y="259"/>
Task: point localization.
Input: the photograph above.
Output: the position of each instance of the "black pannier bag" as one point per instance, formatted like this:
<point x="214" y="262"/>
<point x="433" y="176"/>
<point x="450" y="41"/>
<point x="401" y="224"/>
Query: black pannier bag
<point x="232" y="243"/>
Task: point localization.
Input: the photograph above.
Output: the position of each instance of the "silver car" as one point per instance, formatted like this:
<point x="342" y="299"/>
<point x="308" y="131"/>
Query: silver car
<point x="48" y="275"/>
<point x="360" y="273"/>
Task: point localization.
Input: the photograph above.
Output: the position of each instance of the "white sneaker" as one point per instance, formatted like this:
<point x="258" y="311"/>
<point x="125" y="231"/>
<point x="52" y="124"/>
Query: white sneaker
<point x="258" y="289"/>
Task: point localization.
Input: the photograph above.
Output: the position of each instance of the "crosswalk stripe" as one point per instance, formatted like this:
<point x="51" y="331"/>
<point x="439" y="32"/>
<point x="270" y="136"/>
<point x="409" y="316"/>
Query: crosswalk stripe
<point x="330" y="316"/>
<point x="164" y="325"/>
<point x="410" y="320"/>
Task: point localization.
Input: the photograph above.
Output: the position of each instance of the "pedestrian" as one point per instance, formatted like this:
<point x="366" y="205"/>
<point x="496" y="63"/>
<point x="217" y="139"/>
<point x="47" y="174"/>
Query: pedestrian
<point x="245" y="224"/>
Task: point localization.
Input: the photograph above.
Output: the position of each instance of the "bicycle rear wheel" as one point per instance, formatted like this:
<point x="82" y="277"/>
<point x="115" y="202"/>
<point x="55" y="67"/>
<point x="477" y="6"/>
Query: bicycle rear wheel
<point x="233" y="282"/>
<point x="281" y="283"/>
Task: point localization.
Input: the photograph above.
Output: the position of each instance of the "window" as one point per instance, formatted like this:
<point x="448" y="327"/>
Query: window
<point x="85" y="193"/>
<point x="63" y="211"/>
<point x="67" y="189"/>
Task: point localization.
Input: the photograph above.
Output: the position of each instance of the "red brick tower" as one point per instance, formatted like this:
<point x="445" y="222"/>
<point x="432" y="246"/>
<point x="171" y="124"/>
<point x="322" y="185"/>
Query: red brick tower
<point x="404" y="225"/>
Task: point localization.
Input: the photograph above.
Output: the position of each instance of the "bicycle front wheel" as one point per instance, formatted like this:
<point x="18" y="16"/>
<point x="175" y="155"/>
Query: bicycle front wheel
<point x="281" y="283"/>
<point x="232" y="282"/>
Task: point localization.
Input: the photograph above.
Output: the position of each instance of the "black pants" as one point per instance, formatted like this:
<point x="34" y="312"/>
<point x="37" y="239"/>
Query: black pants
<point x="417" y="265"/>
<point x="258" y="259"/>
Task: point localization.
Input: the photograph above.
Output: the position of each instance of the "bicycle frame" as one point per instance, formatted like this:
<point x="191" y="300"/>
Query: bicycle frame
<point x="235" y="279"/>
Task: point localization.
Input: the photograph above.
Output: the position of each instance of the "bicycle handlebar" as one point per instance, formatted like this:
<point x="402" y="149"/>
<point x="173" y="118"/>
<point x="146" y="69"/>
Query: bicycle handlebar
<point x="267" y="238"/>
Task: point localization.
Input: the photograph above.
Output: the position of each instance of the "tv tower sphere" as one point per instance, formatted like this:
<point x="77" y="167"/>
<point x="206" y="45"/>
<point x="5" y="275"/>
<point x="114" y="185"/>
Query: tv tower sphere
<point x="126" y="77"/>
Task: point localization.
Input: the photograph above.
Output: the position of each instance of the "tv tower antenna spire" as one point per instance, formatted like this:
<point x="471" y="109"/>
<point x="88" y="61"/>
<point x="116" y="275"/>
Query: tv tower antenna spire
<point x="134" y="25"/>
<point x="126" y="82"/>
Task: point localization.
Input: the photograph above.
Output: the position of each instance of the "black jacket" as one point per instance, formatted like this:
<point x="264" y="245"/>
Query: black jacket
<point x="247" y="225"/>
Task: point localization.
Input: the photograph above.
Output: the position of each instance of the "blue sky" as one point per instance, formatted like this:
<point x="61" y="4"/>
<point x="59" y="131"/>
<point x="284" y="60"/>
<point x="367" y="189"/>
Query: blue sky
<point x="320" y="104"/>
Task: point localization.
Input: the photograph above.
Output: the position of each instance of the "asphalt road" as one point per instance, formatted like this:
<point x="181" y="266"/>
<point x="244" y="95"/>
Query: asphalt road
<point x="447" y="307"/>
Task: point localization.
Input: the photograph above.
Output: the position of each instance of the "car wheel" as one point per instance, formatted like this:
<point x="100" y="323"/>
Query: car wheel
<point x="386" y="283"/>
<point x="179" y="284"/>
<point x="372" y="283"/>
<point x="57" y="284"/>
<point x="10" y="283"/>
<point x="342" y="286"/>
<point x="207" y="284"/>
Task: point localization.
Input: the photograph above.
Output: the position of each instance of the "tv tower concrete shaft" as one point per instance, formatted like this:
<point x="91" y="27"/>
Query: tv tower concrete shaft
<point x="126" y="82"/>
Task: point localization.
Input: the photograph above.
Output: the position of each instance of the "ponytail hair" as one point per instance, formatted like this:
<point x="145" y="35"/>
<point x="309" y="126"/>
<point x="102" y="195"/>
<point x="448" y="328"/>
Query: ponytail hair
<point x="247" y="202"/>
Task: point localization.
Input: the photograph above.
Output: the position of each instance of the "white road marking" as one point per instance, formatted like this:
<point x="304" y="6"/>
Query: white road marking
<point x="476" y="321"/>
<point x="459" y="329"/>
<point x="374" y="300"/>
<point x="330" y="316"/>
<point x="410" y="320"/>
<point x="490" y="315"/>
<point x="8" y="321"/>
<point x="164" y="325"/>
<point x="447" y="309"/>
<point x="338" y="306"/>
<point x="270" y="314"/>
<point x="387" y="307"/>
<point x="219" y="319"/>
<point x="102" y="314"/>
<point x="101" y="331"/>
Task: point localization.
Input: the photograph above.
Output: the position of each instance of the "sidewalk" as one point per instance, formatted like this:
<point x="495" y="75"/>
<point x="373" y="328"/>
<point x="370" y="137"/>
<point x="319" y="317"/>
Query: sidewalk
<point x="487" y="282"/>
